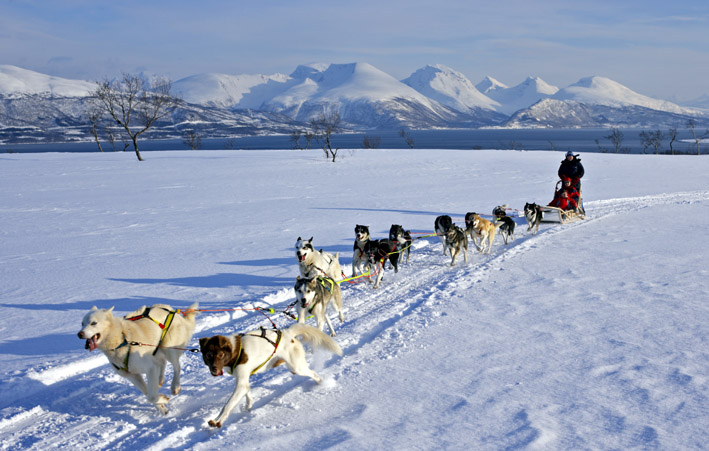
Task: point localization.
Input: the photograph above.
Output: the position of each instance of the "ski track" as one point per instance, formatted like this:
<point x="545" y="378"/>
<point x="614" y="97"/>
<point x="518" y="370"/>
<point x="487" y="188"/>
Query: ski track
<point x="120" y="417"/>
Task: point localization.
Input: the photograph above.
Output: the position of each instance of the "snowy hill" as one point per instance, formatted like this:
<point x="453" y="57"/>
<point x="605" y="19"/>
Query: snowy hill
<point x="604" y="91"/>
<point x="553" y="113"/>
<point x="589" y="335"/>
<point x="450" y="88"/>
<point x="222" y="90"/>
<point x="15" y="82"/>
<point x="527" y="93"/>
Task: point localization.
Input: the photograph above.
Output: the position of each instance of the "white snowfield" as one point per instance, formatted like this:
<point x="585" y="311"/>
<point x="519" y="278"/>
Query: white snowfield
<point x="591" y="335"/>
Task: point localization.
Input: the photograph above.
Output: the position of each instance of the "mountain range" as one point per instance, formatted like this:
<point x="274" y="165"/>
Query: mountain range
<point x="36" y="107"/>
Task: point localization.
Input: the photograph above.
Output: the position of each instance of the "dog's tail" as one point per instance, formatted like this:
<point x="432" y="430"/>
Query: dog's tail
<point x="314" y="336"/>
<point x="192" y="312"/>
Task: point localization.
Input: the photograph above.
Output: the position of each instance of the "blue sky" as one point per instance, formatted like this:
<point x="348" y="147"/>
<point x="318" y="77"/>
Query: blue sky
<point x="657" y="48"/>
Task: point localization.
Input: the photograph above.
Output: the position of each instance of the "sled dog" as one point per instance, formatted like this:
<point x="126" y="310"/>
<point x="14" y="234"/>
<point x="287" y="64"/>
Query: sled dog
<point x="258" y="351"/>
<point x="441" y="225"/>
<point x="533" y="214"/>
<point x="135" y="345"/>
<point x="314" y="263"/>
<point x="378" y="251"/>
<point x="313" y="296"/>
<point x="457" y="242"/>
<point x="359" y="256"/>
<point x="482" y="231"/>
<point x="403" y="237"/>
<point x="507" y="229"/>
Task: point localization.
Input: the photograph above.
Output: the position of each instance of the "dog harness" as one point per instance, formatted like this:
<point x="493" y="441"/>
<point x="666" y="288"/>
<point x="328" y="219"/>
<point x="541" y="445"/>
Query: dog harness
<point x="275" y="344"/>
<point x="164" y="327"/>
<point x="125" y="360"/>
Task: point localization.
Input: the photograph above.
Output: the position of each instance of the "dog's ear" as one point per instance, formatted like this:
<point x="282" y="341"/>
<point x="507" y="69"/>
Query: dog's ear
<point x="94" y="308"/>
<point x="310" y="240"/>
<point x="203" y="341"/>
<point x="110" y="311"/>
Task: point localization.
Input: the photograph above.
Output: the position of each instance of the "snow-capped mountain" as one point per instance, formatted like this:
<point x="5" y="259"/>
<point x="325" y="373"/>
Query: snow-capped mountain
<point x="597" y="90"/>
<point x="450" y="88"/>
<point x="364" y="96"/>
<point x="15" y="81"/>
<point x="527" y="93"/>
<point x="222" y="90"/>
<point x="489" y="84"/>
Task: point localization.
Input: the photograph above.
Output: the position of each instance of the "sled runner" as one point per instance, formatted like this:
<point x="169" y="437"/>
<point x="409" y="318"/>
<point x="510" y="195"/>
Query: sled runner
<point x="554" y="214"/>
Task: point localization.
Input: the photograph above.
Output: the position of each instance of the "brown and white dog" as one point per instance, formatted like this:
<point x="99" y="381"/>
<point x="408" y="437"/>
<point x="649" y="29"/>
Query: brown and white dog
<point x="131" y="344"/>
<point x="314" y="296"/>
<point x="482" y="230"/>
<point x="312" y="263"/>
<point x="457" y="242"/>
<point x="258" y="351"/>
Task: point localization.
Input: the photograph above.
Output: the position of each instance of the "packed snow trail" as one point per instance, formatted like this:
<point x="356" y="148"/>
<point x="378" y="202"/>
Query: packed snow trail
<point x="85" y="404"/>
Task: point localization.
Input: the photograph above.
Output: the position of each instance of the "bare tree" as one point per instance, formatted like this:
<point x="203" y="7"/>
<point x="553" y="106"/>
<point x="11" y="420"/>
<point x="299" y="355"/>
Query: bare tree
<point x="616" y="137"/>
<point x="191" y="139"/>
<point x="692" y="125"/>
<point x="672" y="135"/>
<point x="371" y="142"/>
<point x="309" y="136"/>
<point x="295" y="137"/>
<point x="651" y="139"/>
<point x="134" y="104"/>
<point x="408" y="139"/>
<point x="95" y="115"/>
<point x="325" y="125"/>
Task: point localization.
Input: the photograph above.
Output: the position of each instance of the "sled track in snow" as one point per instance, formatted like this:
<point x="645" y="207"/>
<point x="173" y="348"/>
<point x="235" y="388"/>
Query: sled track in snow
<point x="84" y="404"/>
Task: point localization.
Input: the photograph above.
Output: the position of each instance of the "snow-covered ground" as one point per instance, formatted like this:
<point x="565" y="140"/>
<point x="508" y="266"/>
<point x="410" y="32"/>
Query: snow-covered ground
<point x="591" y="335"/>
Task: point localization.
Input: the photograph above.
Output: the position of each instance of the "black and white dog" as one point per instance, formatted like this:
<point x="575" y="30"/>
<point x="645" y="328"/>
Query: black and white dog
<point x="377" y="253"/>
<point x="359" y="256"/>
<point x="314" y="263"/>
<point x="442" y="225"/>
<point x="469" y="221"/>
<point x="403" y="237"/>
<point x="507" y="229"/>
<point x="533" y="214"/>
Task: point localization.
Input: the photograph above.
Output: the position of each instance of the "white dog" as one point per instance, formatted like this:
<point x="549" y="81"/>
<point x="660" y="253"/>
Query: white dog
<point x="314" y="263"/>
<point x="314" y="296"/>
<point x="140" y="343"/>
<point x="257" y="352"/>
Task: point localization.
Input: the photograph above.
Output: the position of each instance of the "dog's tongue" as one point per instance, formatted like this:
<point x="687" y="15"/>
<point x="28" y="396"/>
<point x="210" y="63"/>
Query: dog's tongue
<point x="91" y="344"/>
<point x="301" y="258"/>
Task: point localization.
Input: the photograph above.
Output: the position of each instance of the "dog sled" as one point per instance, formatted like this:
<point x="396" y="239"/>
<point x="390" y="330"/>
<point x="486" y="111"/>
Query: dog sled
<point x="560" y="215"/>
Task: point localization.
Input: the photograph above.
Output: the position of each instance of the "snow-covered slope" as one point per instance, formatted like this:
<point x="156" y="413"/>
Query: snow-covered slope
<point x="222" y="90"/>
<point x="488" y="84"/>
<point x="527" y="93"/>
<point x="450" y="88"/>
<point x="597" y="90"/>
<point x="590" y="335"/>
<point x="15" y="81"/>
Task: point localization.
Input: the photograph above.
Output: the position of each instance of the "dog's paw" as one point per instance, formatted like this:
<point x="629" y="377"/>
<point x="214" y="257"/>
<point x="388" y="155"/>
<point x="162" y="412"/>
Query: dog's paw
<point x="176" y="390"/>
<point x="215" y="424"/>
<point x="162" y="408"/>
